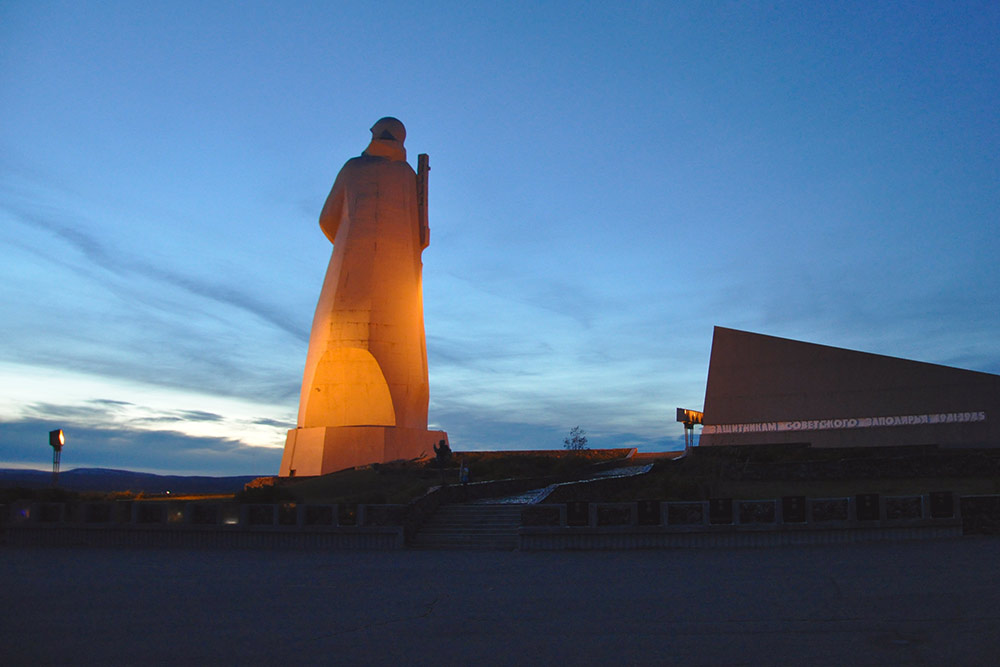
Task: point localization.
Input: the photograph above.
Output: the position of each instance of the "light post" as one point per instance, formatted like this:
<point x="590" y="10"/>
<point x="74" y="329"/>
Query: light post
<point x="689" y="418"/>
<point x="56" y="440"/>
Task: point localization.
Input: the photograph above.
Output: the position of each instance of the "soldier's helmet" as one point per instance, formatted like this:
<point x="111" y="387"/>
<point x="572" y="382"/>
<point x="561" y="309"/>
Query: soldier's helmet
<point x="388" y="129"/>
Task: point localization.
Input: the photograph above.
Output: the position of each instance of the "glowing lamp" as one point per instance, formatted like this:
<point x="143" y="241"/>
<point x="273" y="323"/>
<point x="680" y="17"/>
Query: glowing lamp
<point x="689" y="418"/>
<point x="56" y="440"/>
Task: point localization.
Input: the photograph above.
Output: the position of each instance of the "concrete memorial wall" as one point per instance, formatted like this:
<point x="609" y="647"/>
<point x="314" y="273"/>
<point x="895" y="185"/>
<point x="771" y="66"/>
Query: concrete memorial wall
<point x="768" y="390"/>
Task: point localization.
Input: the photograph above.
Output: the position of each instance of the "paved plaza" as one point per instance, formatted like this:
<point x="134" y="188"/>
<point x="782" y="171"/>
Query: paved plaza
<point x="930" y="602"/>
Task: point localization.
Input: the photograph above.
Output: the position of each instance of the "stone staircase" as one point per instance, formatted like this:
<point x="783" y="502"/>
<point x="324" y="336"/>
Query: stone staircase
<point x="471" y="526"/>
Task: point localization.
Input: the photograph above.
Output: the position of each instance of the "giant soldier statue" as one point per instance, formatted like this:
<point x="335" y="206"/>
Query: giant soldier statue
<point x="364" y="391"/>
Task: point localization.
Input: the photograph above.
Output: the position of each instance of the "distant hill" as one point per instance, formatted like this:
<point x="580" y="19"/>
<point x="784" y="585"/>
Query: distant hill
<point x="108" y="480"/>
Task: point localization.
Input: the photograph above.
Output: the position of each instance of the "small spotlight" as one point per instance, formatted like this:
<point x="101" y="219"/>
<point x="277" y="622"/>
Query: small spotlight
<point x="56" y="440"/>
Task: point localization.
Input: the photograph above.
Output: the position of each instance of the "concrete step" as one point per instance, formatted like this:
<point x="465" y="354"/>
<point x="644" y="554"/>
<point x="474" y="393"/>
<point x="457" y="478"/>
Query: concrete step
<point x="465" y="547"/>
<point x="459" y="542"/>
<point x="478" y="515"/>
<point x="470" y="519"/>
<point x="465" y="538"/>
<point x="470" y="527"/>
<point x="458" y="528"/>
<point x="476" y="522"/>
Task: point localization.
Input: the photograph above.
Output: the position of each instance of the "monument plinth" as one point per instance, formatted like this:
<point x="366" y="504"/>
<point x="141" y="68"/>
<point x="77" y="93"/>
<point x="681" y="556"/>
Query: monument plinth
<point x="365" y="391"/>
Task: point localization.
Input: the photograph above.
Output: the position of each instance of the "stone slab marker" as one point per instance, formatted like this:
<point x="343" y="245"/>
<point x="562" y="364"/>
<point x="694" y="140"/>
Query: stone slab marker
<point x="364" y="390"/>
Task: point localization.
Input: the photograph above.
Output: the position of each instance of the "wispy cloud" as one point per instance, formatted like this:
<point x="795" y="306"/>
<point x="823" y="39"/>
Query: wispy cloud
<point x="125" y="264"/>
<point x="198" y="415"/>
<point x="275" y="422"/>
<point x="112" y="322"/>
<point x="181" y="416"/>
<point x="134" y="449"/>
<point x="134" y="417"/>
<point x="110" y="402"/>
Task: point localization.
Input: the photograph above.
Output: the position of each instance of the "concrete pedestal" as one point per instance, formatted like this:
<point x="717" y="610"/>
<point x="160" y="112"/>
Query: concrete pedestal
<point x="325" y="449"/>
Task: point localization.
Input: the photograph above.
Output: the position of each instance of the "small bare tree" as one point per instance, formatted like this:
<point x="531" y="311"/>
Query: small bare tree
<point x="576" y="441"/>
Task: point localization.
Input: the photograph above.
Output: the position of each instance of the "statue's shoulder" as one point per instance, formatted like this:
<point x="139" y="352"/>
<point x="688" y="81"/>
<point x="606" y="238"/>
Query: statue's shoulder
<point x="360" y="161"/>
<point x="365" y="162"/>
<point x="357" y="167"/>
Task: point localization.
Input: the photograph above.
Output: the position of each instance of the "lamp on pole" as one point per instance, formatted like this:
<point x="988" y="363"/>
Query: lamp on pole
<point x="56" y="440"/>
<point x="689" y="418"/>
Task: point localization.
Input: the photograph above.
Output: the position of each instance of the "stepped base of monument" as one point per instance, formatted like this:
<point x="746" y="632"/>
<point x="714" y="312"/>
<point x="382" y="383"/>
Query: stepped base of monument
<point x="325" y="449"/>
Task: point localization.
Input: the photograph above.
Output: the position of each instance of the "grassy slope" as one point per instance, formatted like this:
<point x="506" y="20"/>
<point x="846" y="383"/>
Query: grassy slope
<point x="401" y="482"/>
<point x="773" y="472"/>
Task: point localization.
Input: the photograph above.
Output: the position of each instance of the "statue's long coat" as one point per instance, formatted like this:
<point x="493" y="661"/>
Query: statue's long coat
<point x="367" y="360"/>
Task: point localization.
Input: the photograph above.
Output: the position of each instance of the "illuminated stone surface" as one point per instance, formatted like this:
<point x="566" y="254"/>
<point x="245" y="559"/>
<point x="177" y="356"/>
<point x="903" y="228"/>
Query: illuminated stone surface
<point x="364" y="391"/>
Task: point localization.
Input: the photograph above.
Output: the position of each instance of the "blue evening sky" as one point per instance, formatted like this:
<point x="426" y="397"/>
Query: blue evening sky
<point x="609" y="181"/>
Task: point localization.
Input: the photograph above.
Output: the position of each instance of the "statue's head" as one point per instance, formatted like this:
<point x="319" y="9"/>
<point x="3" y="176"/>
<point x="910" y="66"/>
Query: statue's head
<point x="387" y="139"/>
<point x="388" y="129"/>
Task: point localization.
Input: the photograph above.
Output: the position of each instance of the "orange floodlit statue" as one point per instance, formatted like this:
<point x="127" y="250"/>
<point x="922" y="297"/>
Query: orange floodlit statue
<point x="364" y="390"/>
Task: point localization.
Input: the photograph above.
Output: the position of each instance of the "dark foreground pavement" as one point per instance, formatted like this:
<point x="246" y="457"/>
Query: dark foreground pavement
<point x="935" y="602"/>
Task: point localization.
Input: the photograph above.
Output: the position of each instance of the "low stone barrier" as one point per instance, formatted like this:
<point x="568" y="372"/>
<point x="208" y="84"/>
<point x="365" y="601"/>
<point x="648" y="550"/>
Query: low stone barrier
<point x="718" y="522"/>
<point x="981" y="515"/>
<point x="733" y="522"/>
<point x="205" y="524"/>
